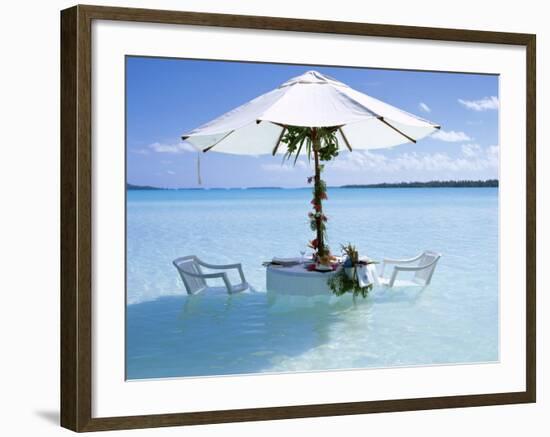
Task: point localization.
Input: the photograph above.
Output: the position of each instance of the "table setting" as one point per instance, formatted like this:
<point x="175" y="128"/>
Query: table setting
<point x="306" y="275"/>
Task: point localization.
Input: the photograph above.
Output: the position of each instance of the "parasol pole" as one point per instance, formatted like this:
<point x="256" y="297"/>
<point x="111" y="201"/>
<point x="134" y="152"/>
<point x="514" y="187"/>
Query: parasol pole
<point x="199" y="168"/>
<point x="317" y="194"/>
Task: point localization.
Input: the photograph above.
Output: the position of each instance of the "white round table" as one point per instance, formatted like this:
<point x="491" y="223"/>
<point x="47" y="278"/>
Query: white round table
<point x="297" y="280"/>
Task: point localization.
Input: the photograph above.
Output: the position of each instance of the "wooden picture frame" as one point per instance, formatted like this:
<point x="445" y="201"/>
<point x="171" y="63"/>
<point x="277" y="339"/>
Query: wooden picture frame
<point x="76" y="217"/>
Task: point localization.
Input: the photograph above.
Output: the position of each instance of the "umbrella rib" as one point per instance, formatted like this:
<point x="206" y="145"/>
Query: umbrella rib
<point x="345" y="139"/>
<point x="395" y="129"/>
<point x="219" y="141"/>
<point x="278" y="141"/>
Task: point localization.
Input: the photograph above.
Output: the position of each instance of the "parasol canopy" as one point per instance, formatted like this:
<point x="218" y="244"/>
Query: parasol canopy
<point x="309" y="100"/>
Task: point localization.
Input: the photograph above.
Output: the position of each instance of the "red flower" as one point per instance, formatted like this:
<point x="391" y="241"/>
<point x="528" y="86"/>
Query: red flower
<point x="323" y="195"/>
<point x="316" y="206"/>
<point x="313" y="243"/>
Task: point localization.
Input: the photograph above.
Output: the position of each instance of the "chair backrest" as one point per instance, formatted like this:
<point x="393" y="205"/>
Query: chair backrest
<point x="425" y="275"/>
<point x="189" y="264"/>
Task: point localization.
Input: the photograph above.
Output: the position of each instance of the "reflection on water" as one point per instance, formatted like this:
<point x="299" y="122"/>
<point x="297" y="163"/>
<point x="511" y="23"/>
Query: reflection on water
<point x="223" y="334"/>
<point x="220" y="334"/>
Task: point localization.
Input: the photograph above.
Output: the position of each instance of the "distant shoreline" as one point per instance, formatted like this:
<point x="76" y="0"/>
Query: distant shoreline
<point x="489" y="183"/>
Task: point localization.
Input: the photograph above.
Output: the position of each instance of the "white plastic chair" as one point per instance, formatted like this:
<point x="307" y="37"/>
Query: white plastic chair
<point x="194" y="279"/>
<point x="422" y="265"/>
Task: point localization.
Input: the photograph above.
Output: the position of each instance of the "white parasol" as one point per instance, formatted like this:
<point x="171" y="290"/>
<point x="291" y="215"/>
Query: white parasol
<point x="309" y="100"/>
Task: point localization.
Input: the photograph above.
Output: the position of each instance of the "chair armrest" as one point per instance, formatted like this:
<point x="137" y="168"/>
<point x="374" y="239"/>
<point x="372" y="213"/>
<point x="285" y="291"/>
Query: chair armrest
<point x="221" y="275"/>
<point x="401" y="268"/>
<point x="206" y="275"/>
<point x="218" y="266"/>
<point x="407" y="269"/>
<point x="415" y="268"/>
<point x="397" y="261"/>
<point x="401" y="261"/>
<point x="237" y="266"/>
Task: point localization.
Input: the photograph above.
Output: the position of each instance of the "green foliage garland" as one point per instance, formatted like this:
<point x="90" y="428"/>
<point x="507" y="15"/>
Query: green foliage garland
<point x="322" y="143"/>
<point x="296" y="137"/>
<point x="340" y="283"/>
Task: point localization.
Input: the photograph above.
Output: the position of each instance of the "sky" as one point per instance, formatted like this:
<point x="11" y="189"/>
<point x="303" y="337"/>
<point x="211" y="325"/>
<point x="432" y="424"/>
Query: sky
<point x="168" y="97"/>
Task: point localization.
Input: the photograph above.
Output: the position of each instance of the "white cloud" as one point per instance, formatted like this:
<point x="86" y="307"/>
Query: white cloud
<point x="285" y="166"/>
<point x="493" y="155"/>
<point x="484" y="104"/>
<point x="141" y="151"/>
<point x="471" y="150"/>
<point x="171" y="148"/>
<point x="450" y="136"/>
<point x="473" y="158"/>
<point x="170" y="172"/>
<point x="424" y="107"/>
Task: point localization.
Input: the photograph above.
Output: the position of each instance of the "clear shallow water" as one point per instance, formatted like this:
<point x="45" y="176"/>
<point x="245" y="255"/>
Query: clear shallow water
<point x="454" y="320"/>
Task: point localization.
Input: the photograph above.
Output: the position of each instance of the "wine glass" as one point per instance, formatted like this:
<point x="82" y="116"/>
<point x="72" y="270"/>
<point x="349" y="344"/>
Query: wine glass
<point x="302" y="253"/>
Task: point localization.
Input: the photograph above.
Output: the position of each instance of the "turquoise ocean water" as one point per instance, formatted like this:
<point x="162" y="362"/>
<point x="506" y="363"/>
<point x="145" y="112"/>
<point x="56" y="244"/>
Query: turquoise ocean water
<point x="453" y="321"/>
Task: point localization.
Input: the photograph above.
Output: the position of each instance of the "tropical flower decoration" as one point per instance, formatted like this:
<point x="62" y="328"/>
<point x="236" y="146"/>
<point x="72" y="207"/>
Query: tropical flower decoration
<point x="320" y="143"/>
<point x="342" y="282"/>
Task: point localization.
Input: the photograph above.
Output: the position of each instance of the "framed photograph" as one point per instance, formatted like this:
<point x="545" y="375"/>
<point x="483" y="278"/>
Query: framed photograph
<point x="268" y="218"/>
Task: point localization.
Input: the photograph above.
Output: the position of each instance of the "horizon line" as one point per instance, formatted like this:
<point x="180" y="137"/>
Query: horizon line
<point x="402" y="184"/>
